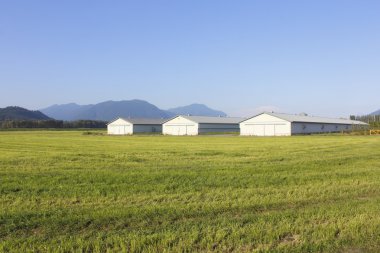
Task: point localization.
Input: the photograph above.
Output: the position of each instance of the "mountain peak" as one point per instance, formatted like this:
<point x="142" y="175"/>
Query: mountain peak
<point x="196" y="109"/>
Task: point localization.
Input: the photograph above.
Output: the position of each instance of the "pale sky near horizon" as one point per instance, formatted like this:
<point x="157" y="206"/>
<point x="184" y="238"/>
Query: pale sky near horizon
<point x="320" y="57"/>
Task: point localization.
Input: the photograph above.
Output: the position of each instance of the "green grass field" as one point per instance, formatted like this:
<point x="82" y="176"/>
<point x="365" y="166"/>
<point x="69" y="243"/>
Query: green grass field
<point x="69" y="192"/>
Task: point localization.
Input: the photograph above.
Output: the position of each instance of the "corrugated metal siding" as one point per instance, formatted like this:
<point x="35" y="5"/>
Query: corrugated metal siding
<point x="214" y="128"/>
<point x="307" y="128"/>
<point x="147" y="128"/>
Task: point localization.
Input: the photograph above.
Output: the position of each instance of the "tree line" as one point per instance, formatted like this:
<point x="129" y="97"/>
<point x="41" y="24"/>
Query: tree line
<point x="372" y="120"/>
<point x="7" y="124"/>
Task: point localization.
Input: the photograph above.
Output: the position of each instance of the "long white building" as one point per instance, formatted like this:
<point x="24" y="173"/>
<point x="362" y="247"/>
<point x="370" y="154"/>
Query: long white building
<point x="279" y="124"/>
<point x="122" y="126"/>
<point x="194" y="125"/>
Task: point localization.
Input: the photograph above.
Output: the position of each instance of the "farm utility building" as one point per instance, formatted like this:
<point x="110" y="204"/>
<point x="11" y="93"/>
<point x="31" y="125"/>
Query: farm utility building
<point x="194" y="125"/>
<point x="279" y="124"/>
<point x="123" y="126"/>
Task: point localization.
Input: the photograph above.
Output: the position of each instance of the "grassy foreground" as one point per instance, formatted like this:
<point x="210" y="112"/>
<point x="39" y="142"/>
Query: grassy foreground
<point x="69" y="192"/>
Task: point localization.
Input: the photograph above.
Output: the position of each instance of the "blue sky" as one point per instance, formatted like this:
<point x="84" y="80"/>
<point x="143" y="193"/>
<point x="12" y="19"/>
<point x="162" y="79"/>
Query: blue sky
<point x="320" y="57"/>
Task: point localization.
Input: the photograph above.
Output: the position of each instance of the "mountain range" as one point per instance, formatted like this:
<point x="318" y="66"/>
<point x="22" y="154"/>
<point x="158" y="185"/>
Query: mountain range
<point x="127" y="108"/>
<point x="107" y="111"/>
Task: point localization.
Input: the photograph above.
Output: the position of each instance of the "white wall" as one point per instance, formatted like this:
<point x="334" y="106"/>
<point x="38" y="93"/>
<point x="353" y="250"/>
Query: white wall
<point x="307" y="128"/>
<point x="265" y="125"/>
<point x="180" y="126"/>
<point x="120" y="127"/>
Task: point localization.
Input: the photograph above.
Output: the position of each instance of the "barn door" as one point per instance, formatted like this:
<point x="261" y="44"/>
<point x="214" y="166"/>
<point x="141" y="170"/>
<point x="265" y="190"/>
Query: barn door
<point x="269" y="130"/>
<point x="258" y="130"/>
<point x="182" y="130"/>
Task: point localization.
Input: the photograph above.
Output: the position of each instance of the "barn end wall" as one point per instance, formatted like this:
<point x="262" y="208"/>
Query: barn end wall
<point x="119" y="127"/>
<point x="265" y="125"/>
<point x="180" y="126"/>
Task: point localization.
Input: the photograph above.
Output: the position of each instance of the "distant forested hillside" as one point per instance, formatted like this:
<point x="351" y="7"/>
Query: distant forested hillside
<point x="19" y="113"/>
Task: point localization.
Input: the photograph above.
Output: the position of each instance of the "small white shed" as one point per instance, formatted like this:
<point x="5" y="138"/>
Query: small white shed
<point x="280" y="124"/>
<point x="194" y="125"/>
<point x="122" y="126"/>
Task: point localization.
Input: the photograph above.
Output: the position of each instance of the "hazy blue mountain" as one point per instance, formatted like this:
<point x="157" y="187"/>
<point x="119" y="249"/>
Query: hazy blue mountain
<point x="132" y="108"/>
<point x="376" y="113"/>
<point x="65" y="111"/>
<point x="197" y="110"/>
<point x="128" y="108"/>
<point x="106" y="110"/>
<point x="19" y="113"/>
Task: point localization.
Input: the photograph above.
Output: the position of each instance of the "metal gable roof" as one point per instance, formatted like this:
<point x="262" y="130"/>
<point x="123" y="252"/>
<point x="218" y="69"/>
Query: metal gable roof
<point x="312" y="119"/>
<point x="141" y="121"/>
<point x="213" y="120"/>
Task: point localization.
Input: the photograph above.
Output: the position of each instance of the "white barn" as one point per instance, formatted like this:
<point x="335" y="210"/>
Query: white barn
<point x="194" y="125"/>
<point x="279" y="124"/>
<point x="122" y="126"/>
